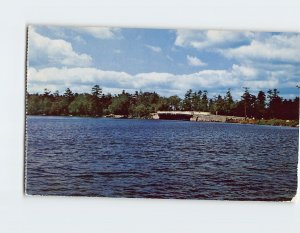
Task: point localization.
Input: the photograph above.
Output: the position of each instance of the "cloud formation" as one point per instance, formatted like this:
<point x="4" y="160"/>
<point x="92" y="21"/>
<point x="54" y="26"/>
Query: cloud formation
<point x="261" y="60"/>
<point x="82" y="79"/>
<point x="209" y="38"/>
<point x="282" y="48"/>
<point x="99" y="32"/>
<point x="154" y="48"/>
<point x="54" y="51"/>
<point x="194" y="61"/>
<point x="235" y="59"/>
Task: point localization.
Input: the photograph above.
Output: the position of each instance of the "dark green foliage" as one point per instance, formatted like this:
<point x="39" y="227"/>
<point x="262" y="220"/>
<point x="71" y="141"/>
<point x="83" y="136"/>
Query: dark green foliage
<point x="260" y="106"/>
<point x="275" y="103"/>
<point x="120" y="104"/>
<point x="188" y="100"/>
<point x="173" y="102"/>
<point x="81" y="106"/>
<point x="228" y="103"/>
<point x="142" y="104"/>
<point x="95" y="108"/>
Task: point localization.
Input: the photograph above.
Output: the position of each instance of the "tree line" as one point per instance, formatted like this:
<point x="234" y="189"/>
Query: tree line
<point x="268" y="105"/>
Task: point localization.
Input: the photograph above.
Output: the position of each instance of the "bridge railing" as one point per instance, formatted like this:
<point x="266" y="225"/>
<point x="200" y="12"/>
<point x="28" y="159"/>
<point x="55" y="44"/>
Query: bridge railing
<point x="184" y="112"/>
<point x="176" y="112"/>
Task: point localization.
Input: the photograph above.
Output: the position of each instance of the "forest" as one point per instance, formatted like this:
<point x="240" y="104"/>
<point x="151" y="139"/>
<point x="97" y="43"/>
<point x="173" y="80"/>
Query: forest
<point x="268" y="105"/>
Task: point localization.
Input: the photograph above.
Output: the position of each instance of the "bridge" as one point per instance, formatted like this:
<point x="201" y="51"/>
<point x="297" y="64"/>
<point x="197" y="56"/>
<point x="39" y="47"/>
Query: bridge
<point x="194" y="116"/>
<point x="179" y="115"/>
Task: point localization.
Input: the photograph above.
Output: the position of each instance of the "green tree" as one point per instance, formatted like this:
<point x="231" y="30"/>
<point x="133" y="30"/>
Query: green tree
<point x="187" y="102"/>
<point x="96" y="105"/>
<point x="120" y="104"/>
<point x="219" y="105"/>
<point x="142" y="104"/>
<point x="80" y="106"/>
<point x="46" y="92"/>
<point x="69" y="95"/>
<point x="260" y="106"/>
<point x="174" y="103"/>
<point x="34" y="105"/>
<point x="275" y="104"/>
<point x="204" y="102"/>
<point x="56" y="94"/>
<point x="246" y="101"/>
<point x="96" y="91"/>
<point x="141" y="111"/>
<point x="228" y="102"/>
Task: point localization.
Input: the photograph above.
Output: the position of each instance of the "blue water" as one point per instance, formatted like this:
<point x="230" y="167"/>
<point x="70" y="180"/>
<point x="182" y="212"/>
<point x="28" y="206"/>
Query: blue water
<point x="160" y="159"/>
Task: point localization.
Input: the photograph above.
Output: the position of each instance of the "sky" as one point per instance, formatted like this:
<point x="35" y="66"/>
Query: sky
<point x="168" y="62"/>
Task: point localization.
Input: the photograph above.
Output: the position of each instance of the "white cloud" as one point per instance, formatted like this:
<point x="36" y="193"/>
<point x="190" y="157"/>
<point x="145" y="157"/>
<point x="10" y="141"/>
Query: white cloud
<point x="215" y="81"/>
<point x="209" y="38"/>
<point x="194" y="61"/>
<point x="99" y="32"/>
<point x="262" y="84"/>
<point x="154" y="48"/>
<point x="281" y="47"/>
<point x="54" y="51"/>
<point x="271" y="61"/>
<point x="79" y="39"/>
<point x="244" y="71"/>
<point x="267" y="61"/>
<point x="103" y="33"/>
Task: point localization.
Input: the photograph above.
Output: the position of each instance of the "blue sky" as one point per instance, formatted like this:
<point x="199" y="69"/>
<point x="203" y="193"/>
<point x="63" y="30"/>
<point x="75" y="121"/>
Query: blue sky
<point x="166" y="61"/>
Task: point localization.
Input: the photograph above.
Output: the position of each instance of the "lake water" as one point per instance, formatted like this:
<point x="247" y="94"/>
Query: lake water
<point x="160" y="159"/>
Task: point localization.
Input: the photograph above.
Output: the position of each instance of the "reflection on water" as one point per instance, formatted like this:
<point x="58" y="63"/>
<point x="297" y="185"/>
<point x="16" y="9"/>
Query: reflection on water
<point x="160" y="159"/>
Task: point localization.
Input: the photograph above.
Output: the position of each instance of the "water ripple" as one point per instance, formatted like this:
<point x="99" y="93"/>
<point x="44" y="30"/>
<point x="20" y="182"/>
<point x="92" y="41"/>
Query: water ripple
<point x="160" y="159"/>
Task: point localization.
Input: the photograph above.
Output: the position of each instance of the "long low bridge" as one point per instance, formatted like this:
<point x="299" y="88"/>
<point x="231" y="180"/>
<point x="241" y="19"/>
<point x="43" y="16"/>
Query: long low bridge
<point x="179" y="115"/>
<point x="194" y="116"/>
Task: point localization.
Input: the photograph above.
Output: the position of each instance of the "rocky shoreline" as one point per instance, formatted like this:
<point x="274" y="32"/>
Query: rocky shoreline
<point x="220" y="118"/>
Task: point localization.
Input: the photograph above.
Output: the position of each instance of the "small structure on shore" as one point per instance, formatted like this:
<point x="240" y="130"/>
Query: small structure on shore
<point x="175" y="115"/>
<point x="194" y="116"/>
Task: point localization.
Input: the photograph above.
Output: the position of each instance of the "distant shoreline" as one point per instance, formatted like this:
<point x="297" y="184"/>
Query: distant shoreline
<point x="270" y="122"/>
